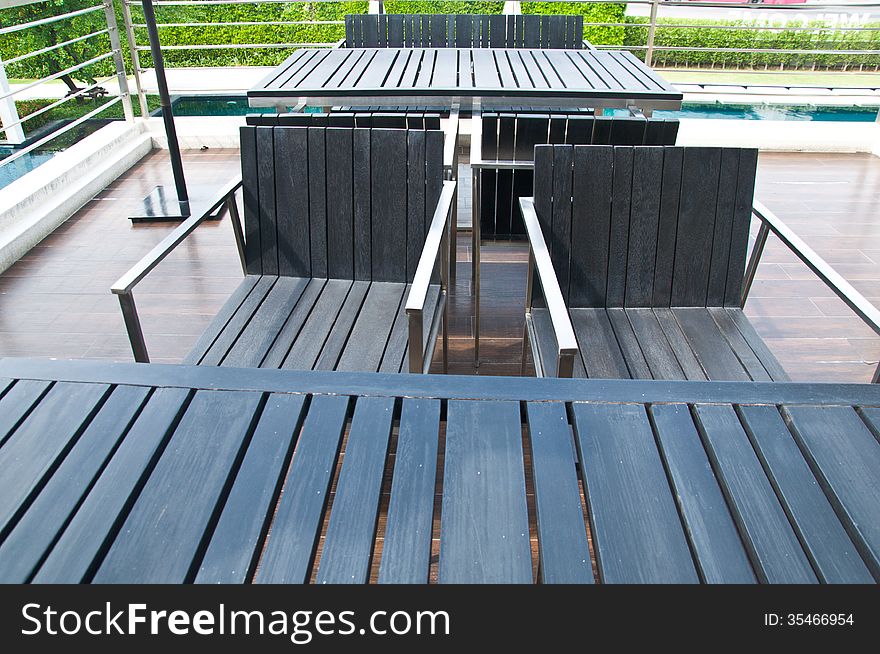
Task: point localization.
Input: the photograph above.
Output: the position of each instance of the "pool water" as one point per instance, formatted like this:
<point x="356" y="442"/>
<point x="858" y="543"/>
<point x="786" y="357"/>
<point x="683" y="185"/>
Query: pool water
<point x="236" y="105"/>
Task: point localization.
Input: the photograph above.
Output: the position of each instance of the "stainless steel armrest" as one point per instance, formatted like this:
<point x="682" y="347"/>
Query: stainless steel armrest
<point x="125" y="285"/>
<point x="770" y="222"/>
<point x="418" y="292"/>
<point x="566" y="341"/>
<point x="450" y="142"/>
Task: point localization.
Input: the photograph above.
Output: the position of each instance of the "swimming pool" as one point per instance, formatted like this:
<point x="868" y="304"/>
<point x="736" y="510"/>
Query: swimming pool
<point x="236" y="105"/>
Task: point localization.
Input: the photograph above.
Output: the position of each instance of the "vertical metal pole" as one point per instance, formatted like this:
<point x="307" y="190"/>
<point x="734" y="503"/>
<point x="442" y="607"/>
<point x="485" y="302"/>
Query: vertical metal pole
<point x="135" y="59"/>
<point x="165" y="102"/>
<point x="754" y="260"/>
<point x="232" y="207"/>
<point x="133" y="327"/>
<point x="116" y="45"/>
<point x="652" y="26"/>
<point x="8" y="111"/>
<point x="475" y="228"/>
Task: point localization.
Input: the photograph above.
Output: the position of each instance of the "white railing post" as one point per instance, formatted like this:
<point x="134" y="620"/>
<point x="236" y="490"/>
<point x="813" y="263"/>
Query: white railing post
<point x="376" y="7"/>
<point x="512" y="8"/>
<point x="652" y="26"/>
<point x="135" y="59"/>
<point x="8" y="111"/>
<point x="116" y="45"/>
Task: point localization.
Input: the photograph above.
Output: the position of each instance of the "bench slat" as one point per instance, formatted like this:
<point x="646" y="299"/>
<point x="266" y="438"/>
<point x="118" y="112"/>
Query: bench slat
<point x="775" y="550"/>
<point x="637" y="534"/>
<point x="293" y="536"/>
<point x="348" y="546"/>
<point x="231" y="554"/>
<point x="484" y="533"/>
<point x="564" y="551"/>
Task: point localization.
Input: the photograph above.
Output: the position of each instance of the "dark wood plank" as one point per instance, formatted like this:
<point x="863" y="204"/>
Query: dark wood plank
<point x="484" y="533"/>
<point x="641" y="258"/>
<point x="250" y="194"/>
<point x="231" y="554"/>
<point x="637" y="533"/>
<point x="393" y="356"/>
<point x="395" y="31"/>
<point x="388" y="205"/>
<point x="598" y="344"/>
<point x="559" y="240"/>
<point x="317" y="185"/>
<point x="266" y="199"/>
<point x="709" y="346"/>
<point x="94" y="525"/>
<point x="667" y="229"/>
<point x="497" y="31"/>
<point x="774" y="549"/>
<point x="830" y="549"/>
<point x="266" y="323"/>
<point x="336" y="340"/>
<point x="531" y="31"/>
<point x="284" y="338"/>
<point x="35" y="532"/>
<point x="415" y="204"/>
<point x="696" y="224"/>
<point x="362" y="201"/>
<point x="39" y="444"/>
<point x="679" y="344"/>
<point x="629" y="345"/>
<point x="229" y="332"/>
<point x="719" y="552"/>
<point x="844" y="455"/>
<point x="17" y="403"/>
<point x="373" y="327"/>
<point x="622" y="196"/>
<point x="161" y="539"/>
<point x="340" y="210"/>
<point x="348" y="546"/>
<point x="743" y="350"/>
<point x="406" y="549"/>
<point x="719" y="262"/>
<point x="742" y="218"/>
<point x="307" y="346"/>
<point x="562" y="537"/>
<point x="658" y="353"/>
<point x="293" y="535"/>
<point x="756" y="343"/>
<point x="590" y="226"/>
<point x="292" y="207"/>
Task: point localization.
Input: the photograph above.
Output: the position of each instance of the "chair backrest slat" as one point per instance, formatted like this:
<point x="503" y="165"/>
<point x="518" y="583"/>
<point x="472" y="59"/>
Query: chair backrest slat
<point x="646" y="226"/>
<point x="345" y="203"/>
<point x="517" y="136"/>
<point x="463" y="31"/>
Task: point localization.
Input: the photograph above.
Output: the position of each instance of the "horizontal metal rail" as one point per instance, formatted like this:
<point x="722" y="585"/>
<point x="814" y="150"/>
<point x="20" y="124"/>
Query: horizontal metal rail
<point x="770" y="222"/>
<point x="76" y="123"/>
<point x="50" y="19"/>
<point x="238" y="46"/>
<point x="49" y="107"/>
<point x="66" y="71"/>
<point x="539" y="260"/>
<point x="125" y="285"/>
<point x="245" y="23"/>
<point x="56" y="46"/>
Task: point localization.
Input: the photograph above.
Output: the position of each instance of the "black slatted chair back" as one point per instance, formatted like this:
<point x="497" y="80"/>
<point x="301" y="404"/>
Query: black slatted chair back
<point x="646" y="226"/>
<point x="395" y="120"/>
<point x="463" y="31"/>
<point x="513" y="137"/>
<point x="337" y="202"/>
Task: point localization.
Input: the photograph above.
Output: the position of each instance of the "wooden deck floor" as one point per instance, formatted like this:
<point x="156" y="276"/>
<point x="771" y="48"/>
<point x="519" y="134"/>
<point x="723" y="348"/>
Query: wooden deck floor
<point x="55" y="302"/>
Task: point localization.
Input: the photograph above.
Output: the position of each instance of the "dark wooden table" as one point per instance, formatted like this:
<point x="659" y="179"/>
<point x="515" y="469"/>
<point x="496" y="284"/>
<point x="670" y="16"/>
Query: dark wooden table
<point x="463" y="77"/>
<point x="151" y="473"/>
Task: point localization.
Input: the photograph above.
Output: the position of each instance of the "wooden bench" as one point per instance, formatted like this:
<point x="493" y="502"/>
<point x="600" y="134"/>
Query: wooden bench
<point x="342" y="231"/>
<point x="463" y="31"/>
<point x="123" y="473"/>
<point x="641" y="258"/>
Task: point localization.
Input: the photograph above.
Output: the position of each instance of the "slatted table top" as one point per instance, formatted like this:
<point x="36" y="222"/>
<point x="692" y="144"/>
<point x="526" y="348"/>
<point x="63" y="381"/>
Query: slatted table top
<point x="392" y="76"/>
<point x="152" y="473"/>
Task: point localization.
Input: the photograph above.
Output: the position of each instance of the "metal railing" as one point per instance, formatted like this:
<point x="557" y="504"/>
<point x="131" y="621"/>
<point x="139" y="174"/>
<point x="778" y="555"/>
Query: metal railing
<point x="13" y="125"/>
<point x="642" y="34"/>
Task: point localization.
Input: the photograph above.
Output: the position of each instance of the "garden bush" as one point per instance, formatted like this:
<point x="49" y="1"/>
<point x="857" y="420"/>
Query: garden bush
<point x="592" y="13"/>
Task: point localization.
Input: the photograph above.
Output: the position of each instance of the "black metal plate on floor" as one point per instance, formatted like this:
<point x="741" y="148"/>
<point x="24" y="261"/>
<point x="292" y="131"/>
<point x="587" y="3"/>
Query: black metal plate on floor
<point x="161" y="205"/>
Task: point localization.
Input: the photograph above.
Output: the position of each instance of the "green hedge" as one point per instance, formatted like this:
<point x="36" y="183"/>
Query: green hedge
<point x="634" y="34"/>
<point x="592" y="13"/>
<point x="823" y="36"/>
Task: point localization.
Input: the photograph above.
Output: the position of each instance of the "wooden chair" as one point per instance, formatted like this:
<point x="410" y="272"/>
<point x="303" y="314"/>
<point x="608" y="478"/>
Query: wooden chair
<point x="641" y="254"/>
<point x="343" y="230"/>
<point x="463" y="31"/>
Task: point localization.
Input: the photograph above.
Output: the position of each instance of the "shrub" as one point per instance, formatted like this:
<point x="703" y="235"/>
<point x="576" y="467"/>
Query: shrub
<point x="592" y="13"/>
